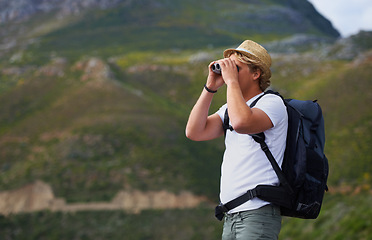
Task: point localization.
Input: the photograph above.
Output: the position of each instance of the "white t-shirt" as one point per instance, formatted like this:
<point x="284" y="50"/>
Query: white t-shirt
<point x="244" y="164"/>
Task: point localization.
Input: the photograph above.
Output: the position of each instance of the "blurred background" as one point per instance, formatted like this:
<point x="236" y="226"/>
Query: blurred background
<point x="95" y="95"/>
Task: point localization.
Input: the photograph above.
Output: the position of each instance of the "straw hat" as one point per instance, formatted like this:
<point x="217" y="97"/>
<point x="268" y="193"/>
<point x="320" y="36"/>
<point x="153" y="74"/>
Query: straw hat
<point x="256" y="52"/>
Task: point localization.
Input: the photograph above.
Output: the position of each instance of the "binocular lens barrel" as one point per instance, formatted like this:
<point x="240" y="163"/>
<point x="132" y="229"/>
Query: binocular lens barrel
<point x="216" y="68"/>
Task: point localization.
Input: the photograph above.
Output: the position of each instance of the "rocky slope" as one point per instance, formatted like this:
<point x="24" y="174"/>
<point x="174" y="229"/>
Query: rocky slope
<point x="22" y="10"/>
<point x="39" y="196"/>
<point x="126" y="25"/>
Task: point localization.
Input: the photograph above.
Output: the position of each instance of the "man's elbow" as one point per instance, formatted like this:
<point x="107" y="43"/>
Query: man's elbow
<point x="242" y="127"/>
<point x="239" y="126"/>
<point x="192" y="136"/>
<point x="189" y="135"/>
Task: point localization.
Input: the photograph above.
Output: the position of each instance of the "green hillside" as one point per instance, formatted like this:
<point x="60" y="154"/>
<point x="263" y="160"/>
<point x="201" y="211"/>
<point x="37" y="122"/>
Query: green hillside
<point x="98" y="135"/>
<point x="97" y="102"/>
<point x="150" y="25"/>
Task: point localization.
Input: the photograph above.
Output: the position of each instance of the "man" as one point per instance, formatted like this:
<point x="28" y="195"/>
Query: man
<point x="246" y="72"/>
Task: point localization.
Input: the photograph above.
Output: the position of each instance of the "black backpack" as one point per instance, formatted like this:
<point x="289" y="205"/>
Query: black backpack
<point x="304" y="173"/>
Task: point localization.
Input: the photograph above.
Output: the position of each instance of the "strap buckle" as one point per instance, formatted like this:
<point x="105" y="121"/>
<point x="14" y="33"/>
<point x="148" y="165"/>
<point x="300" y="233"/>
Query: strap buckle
<point x="220" y="211"/>
<point x="252" y="193"/>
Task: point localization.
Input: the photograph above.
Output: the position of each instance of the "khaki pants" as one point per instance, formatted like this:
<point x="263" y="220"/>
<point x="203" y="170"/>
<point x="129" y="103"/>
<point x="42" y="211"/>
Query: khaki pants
<point x="262" y="223"/>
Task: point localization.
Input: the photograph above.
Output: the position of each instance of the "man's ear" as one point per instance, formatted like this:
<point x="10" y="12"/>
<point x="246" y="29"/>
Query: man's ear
<point x="257" y="74"/>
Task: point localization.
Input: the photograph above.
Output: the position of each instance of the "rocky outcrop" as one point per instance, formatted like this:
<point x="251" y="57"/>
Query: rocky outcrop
<point x="298" y="43"/>
<point x="93" y="69"/>
<point x="39" y="196"/>
<point x="33" y="197"/>
<point x="18" y="10"/>
<point x="349" y="48"/>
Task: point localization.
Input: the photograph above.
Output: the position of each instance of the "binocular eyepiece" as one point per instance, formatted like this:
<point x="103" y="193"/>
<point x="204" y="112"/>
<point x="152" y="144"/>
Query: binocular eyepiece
<point x="216" y="68"/>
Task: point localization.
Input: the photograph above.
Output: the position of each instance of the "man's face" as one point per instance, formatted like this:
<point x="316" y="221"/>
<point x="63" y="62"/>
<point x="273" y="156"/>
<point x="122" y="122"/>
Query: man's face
<point x="246" y="76"/>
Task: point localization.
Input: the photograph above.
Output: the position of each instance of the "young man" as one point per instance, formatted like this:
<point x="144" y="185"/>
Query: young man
<point x="246" y="72"/>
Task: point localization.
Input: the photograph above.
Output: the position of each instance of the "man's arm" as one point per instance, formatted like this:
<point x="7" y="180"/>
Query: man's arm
<point x="243" y="119"/>
<point x="200" y="126"/>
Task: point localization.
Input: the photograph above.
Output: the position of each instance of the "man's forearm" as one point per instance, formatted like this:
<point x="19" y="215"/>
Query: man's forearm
<point x="197" y="121"/>
<point x="236" y="104"/>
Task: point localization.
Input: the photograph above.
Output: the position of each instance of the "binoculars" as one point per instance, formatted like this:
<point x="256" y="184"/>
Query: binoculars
<point x="216" y="68"/>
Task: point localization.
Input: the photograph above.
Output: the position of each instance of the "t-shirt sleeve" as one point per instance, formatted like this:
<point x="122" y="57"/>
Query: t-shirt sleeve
<point x="273" y="106"/>
<point x="221" y="111"/>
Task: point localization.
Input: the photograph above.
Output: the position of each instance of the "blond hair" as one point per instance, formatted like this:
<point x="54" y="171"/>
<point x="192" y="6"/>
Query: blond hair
<point x="254" y="66"/>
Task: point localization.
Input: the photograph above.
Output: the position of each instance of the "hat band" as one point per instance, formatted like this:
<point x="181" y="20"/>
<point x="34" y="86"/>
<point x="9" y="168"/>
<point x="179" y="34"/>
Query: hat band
<point x="244" y="50"/>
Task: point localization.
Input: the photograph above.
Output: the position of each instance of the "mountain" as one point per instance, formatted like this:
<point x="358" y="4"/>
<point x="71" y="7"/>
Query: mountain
<point x="95" y="98"/>
<point x="117" y="27"/>
<point x="299" y="13"/>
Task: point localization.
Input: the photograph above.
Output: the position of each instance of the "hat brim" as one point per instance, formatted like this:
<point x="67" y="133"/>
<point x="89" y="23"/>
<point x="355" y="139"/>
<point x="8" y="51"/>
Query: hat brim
<point x="250" y="55"/>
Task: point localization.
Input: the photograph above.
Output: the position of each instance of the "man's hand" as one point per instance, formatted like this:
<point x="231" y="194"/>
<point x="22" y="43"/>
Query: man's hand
<point x="229" y="70"/>
<point x="214" y="80"/>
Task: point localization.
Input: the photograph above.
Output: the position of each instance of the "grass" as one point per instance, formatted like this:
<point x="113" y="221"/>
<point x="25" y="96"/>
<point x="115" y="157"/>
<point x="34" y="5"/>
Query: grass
<point x="174" y="224"/>
<point x="348" y="125"/>
<point x="342" y="217"/>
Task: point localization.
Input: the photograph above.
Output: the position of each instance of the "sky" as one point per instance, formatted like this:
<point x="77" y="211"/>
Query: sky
<point x="348" y="17"/>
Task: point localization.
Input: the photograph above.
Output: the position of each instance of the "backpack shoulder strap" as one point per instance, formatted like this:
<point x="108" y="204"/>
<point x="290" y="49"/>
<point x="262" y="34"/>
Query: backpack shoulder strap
<point x="226" y="123"/>
<point x="260" y="138"/>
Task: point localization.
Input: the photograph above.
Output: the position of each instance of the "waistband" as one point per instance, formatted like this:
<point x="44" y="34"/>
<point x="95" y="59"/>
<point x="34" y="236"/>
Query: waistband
<point x="267" y="209"/>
